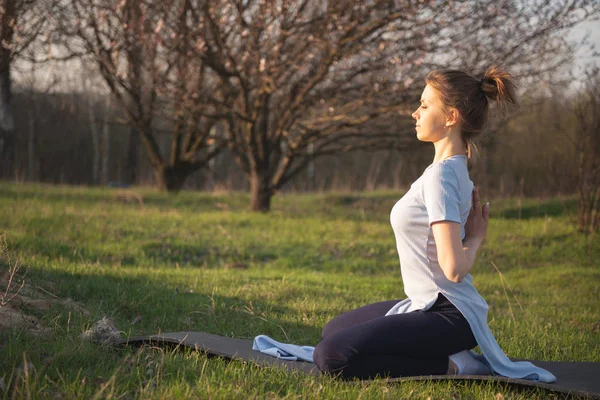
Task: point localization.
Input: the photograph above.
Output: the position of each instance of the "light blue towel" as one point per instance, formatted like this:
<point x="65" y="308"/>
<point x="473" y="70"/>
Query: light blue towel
<point x="283" y="351"/>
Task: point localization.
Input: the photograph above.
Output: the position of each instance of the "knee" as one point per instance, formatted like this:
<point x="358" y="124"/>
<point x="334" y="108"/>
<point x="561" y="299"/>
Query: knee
<point x="333" y="326"/>
<point x="329" y="358"/>
<point x="329" y="329"/>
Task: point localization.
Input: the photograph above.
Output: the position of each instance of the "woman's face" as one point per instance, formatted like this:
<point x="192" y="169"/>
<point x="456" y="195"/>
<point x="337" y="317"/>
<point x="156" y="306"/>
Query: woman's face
<point x="430" y="117"/>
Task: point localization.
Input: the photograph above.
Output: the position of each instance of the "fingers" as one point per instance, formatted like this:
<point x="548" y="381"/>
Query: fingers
<point x="476" y="203"/>
<point x="486" y="211"/>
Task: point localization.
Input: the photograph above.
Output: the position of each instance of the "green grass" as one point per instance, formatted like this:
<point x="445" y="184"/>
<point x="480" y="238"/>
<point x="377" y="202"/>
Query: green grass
<point x="200" y="261"/>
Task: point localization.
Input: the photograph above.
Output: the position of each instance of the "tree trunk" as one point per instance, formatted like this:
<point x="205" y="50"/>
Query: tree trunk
<point x="105" y="143"/>
<point x="31" y="176"/>
<point x="95" y="143"/>
<point x="172" y="178"/>
<point x="7" y="133"/>
<point x="131" y="164"/>
<point x="312" y="173"/>
<point x="260" y="192"/>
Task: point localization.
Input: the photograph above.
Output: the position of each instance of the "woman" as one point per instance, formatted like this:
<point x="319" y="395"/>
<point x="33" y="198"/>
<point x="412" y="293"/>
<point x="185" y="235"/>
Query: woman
<point x="439" y="225"/>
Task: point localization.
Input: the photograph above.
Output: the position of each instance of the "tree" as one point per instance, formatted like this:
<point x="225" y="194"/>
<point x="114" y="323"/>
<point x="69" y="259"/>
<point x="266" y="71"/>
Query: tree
<point x="21" y="23"/>
<point x="292" y="80"/>
<point x="141" y="49"/>
<point x="298" y="79"/>
<point x="31" y="88"/>
<point x="586" y="140"/>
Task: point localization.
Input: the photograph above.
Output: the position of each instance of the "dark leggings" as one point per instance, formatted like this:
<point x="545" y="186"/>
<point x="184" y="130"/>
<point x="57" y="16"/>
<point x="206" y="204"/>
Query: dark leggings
<point x="364" y="343"/>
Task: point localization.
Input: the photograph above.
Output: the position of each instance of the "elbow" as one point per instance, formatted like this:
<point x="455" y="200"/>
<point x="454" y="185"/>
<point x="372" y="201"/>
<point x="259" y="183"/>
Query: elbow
<point x="455" y="278"/>
<point x="452" y="273"/>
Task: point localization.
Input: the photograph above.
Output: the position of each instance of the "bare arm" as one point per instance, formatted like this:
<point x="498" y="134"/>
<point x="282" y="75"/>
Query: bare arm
<point x="456" y="257"/>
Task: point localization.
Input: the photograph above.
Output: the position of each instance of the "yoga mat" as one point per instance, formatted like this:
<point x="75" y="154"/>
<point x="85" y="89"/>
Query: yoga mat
<point x="576" y="378"/>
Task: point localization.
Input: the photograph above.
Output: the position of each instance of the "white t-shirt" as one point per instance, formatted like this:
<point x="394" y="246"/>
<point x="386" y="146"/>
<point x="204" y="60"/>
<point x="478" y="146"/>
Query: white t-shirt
<point x="443" y="193"/>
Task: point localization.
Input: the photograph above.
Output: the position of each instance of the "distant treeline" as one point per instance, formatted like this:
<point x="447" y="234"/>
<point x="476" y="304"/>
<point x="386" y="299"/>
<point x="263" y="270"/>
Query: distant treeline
<point x="74" y="138"/>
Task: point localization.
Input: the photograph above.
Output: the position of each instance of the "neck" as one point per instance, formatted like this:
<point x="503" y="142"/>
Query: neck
<point x="451" y="145"/>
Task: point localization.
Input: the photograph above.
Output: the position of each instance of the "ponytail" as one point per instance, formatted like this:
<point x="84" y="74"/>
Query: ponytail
<point x="498" y="86"/>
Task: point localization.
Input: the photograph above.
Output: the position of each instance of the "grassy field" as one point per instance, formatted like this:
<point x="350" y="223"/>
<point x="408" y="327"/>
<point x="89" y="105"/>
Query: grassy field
<point x="200" y="261"/>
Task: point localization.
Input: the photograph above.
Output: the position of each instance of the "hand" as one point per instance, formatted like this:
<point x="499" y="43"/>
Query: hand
<point x="477" y="222"/>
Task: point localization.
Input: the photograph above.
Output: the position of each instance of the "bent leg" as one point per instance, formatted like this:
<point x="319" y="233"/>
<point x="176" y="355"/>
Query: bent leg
<point x="416" y="343"/>
<point x="357" y="316"/>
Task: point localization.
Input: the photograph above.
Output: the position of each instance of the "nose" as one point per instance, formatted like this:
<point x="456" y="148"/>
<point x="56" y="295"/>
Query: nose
<point x="414" y="115"/>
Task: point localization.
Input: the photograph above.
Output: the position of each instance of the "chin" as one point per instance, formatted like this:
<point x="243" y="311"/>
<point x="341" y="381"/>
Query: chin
<point x="421" y="138"/>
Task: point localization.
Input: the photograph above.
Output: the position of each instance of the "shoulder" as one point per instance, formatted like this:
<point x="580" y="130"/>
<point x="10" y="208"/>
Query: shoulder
<point x="442" y="172"/>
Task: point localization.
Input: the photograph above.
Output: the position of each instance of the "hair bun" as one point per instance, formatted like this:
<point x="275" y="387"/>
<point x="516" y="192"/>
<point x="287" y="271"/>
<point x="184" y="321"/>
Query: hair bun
<point x="498" y="86"/>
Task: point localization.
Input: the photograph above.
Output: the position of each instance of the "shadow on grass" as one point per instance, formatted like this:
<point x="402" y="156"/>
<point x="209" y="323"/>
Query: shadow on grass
<point x="157" y="253"/>
<point x="156" y="305"/>
<point x="371" y="201"/>
<point x="547" y="208"/>
<point x="168" y="307"/>
<point x="553" y="241"/>
<point x="154" y="254"/>
<point x="208" y="257"/>
<point x="61" y="251"/>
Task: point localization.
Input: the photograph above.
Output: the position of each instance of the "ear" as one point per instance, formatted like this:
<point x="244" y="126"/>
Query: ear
<point x="452" y="117"/>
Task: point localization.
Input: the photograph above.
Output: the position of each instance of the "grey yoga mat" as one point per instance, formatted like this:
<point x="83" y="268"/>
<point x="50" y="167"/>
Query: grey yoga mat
<point x="575" y="378"/>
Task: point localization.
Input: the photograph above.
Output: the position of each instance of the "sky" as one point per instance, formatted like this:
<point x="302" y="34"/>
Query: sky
<point x="593" y="29"/>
